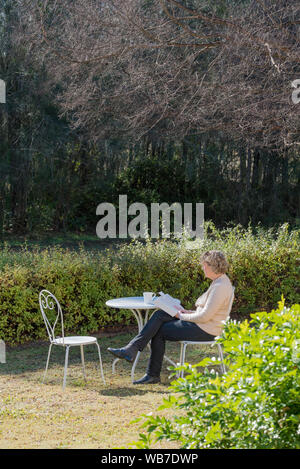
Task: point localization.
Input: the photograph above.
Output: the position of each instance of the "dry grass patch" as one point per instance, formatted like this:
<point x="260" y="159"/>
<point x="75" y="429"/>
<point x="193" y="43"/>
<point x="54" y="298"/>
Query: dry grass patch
<point x="85" y="415"/>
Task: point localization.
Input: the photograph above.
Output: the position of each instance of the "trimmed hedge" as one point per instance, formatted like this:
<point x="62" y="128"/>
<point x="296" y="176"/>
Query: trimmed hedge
<point x="264" y="266"/>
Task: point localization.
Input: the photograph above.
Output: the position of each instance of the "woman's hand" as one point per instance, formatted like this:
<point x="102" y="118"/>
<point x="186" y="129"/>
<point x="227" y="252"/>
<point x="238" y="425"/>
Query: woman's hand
<point x="182" y="310"/>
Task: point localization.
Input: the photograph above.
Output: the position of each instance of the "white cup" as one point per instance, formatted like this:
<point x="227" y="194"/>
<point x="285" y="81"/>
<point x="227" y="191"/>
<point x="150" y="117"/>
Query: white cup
<point x="148" y="296"/>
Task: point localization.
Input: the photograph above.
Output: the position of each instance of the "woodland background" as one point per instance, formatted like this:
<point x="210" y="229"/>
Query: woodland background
<point x="160" y="100"/>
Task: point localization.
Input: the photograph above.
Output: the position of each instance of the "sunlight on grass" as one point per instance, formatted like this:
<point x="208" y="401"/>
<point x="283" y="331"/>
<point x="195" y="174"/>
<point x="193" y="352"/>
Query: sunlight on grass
<point x="87" y="414"/>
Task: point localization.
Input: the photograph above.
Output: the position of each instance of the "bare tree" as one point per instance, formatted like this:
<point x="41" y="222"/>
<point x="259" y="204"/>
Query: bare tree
<point x="171" y="68"/>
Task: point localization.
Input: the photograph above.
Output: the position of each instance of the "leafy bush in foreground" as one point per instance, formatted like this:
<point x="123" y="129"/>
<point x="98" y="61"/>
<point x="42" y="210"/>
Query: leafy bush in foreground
<point x="255" y="404"/>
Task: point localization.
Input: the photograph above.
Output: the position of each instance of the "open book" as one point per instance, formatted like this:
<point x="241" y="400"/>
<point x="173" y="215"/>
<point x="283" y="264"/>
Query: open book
<point x="167" y="303"/>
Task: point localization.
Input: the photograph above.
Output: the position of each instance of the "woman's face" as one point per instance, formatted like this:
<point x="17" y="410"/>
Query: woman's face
<point x="208" y="272"/>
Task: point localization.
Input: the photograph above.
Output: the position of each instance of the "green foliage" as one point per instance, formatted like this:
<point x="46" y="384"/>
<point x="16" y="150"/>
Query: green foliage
<point x="152" y="179"/>
<point x="263" y="264"/>
<point x="255" y="404"/>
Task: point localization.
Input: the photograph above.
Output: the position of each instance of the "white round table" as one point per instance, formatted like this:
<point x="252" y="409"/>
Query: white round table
<point x="140" y="310"/>
<point x="137" y="305"/>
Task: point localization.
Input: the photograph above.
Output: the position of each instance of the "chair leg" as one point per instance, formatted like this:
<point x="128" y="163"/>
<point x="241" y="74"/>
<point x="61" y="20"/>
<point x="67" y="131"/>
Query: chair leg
<point x="182" y="358"/>
<point x="100" y="361"/>
<point x="66" y="366"/>
<point x="113" y="368"/>
<point x="178" y="375"/>
<point x="49" y="352"/>
<point x="82" y="361"/>
<point x="222" y="366"/>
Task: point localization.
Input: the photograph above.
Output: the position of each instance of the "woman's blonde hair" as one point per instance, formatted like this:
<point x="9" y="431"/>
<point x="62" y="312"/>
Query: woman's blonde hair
<point x="216" y="260"/>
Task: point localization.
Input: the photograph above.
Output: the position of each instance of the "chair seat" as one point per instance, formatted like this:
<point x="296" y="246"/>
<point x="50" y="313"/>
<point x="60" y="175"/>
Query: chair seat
<point x="75" y="340"/>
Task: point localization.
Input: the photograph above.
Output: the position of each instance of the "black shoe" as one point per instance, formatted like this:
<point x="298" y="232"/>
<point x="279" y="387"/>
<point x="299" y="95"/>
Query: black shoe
<point x="128" y="354"/>
<point x="147" y="379"/>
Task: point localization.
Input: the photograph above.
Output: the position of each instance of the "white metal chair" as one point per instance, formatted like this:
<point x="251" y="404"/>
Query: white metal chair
<point x="48" y="302"/>
<point x="185" y="343"/>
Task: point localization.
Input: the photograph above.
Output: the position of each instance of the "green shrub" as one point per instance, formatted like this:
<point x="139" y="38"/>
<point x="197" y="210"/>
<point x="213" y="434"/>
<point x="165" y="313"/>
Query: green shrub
<point x="255" y="404"/>
<point x="263" y="264"/>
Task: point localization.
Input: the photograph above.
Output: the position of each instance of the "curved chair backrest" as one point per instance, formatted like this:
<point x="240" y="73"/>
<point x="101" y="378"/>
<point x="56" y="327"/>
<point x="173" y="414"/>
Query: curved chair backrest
<point x="48" y="302"/>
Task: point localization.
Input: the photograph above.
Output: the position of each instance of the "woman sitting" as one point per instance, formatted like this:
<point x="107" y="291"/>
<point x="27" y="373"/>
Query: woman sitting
<point x="202" y="324"/>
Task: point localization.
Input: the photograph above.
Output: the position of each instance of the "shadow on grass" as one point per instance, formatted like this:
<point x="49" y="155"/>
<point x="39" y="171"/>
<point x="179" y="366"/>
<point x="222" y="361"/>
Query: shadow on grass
<point x="33" y="356"/>
<point x="29" y="361"/>
<point x="133" y="390"/>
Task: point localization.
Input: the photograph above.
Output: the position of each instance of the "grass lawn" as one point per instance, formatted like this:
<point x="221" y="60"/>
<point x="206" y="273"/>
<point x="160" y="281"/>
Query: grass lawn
<point x="72" y="241"/>
<point x="87" y="414"/>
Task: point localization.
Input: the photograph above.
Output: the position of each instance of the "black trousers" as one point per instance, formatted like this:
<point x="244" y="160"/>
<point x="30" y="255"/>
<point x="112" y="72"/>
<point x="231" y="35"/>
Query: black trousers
<point x="161" y="327"/>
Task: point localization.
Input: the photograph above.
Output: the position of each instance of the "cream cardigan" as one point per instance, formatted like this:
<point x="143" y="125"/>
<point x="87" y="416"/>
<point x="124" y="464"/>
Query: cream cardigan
<point x="212" y="306"/>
